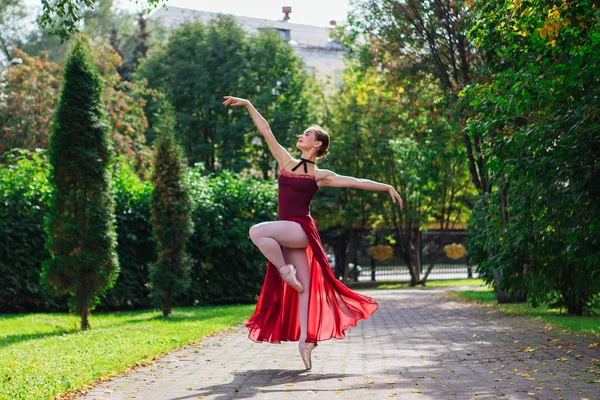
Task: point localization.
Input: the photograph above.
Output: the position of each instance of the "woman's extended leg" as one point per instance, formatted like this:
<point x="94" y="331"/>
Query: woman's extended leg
<point x="300" y="261"/>
<point x="269" y="237"/>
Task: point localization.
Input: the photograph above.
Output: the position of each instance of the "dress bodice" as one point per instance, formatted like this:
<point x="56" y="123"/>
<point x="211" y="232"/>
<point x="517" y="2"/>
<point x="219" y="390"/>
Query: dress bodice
<point x="294" y="193"/>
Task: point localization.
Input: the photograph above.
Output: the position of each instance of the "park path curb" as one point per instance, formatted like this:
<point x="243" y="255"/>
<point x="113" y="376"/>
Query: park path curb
<point x="420" y="344"/>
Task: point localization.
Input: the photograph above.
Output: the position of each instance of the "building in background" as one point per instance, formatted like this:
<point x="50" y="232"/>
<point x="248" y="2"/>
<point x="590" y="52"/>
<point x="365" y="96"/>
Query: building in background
<point x="324" y="57"/>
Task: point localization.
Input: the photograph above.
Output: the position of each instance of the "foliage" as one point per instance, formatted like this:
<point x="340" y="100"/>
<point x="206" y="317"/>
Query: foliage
<point x="281" y="90"/>
<point x="228" y="267"/>
<point x="136" y="243"/>
<point x="225" y="207"/>
<point x="535" y="107"/>
<point x="202" y="63"/>
<point x="12" y="17"/>
<point x="406" y="138"/>
<point x="62" y="16"/>
<point x="24" y="193"/>
<point x="420" y="38"/>
<point x="171" y="214"/>
<point x="80" y="226"/>
<point x="31" y="97"/>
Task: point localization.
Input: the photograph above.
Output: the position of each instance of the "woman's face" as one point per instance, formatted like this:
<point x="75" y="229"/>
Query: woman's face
<point x="306" y="140"/>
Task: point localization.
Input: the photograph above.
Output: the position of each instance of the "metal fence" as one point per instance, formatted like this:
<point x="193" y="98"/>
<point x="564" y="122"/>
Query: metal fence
<point x="365" y="268"/>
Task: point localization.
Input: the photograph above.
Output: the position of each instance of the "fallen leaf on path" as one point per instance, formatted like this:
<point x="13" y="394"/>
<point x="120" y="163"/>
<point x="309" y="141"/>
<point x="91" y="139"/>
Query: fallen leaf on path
<point x="558" y="389"/>
<point x="371" y="382"/>
<point x="532" y="394"/>
<point x="189" y="388"/>
<point x="289" y="384"/>
<point x="416" y="391"/>
<point x="337" y="392"/>
<point x="593" y="345"/>
<point x="562" y="359"/>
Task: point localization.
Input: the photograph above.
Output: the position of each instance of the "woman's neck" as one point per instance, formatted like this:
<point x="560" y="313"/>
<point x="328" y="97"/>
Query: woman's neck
<point x="309" y="157"/>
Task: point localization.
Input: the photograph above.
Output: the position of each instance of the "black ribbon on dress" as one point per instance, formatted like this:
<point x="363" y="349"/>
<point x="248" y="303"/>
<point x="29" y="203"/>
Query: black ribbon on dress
<point x="303" y="161"/>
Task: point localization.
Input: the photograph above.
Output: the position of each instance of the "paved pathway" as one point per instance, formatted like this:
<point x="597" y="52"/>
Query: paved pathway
<point x="420" y="344"/>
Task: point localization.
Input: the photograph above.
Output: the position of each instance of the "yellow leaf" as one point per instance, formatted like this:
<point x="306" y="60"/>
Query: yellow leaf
<point x="562" y="359"/>
<point x="289" y="384"/>
<point x="416" y="391"/>
<point x="593" y="345"/>
<point x="371" y="382"/>
<point x="337" y="392"/>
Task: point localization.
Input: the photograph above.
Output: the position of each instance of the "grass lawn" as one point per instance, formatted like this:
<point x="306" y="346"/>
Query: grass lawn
<point x="576" y="324"/>
<point x="435" y="283"/>
<point x="43" y="355"/>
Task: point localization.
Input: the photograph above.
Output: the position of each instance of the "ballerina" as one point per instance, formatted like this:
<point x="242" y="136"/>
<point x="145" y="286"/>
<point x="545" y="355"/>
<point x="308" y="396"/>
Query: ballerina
<point x="312" y="305"/>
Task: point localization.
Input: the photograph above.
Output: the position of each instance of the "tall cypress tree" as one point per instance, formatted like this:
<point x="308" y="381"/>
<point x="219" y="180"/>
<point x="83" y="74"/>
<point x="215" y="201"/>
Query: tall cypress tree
<point x="171" y="214"/>
<point x="81" y="223"/>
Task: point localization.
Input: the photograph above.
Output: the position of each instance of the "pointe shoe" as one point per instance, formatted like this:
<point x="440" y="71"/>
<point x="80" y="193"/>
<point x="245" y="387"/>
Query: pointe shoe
<point x="288" y="274"/>
<point x="305" y="352"/>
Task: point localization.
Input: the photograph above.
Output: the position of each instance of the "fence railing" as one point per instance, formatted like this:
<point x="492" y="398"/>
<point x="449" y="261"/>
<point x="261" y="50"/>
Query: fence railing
<point x="431" y="244"/>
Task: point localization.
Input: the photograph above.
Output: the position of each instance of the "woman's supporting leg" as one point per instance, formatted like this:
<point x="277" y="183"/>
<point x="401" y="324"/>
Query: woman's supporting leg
<point x="269" y="237"/>
<point x="300" y="261"/>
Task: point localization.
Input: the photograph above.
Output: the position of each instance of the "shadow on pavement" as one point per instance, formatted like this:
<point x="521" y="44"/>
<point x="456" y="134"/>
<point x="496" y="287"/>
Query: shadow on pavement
<point x="263" y="379"/>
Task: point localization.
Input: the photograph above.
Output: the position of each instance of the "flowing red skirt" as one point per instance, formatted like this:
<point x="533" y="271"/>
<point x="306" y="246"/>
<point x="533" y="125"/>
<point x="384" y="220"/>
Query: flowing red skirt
<point x="332" y="307"/>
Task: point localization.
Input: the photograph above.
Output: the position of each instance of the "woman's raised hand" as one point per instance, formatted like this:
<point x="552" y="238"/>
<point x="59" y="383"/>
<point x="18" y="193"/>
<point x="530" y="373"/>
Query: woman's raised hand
<point x="235" y="101"/>
<point x="396" y="197"/>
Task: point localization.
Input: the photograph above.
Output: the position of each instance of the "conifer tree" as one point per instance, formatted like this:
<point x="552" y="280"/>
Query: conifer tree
<point x="171" y="214"/>
<point x="81" y="223"/>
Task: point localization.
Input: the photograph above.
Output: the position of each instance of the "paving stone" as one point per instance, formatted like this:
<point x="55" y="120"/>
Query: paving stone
<point x="420" y="344"/>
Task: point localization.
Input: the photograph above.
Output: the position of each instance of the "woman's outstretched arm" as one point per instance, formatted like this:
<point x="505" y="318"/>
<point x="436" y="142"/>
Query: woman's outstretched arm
<point x="330" y="178"/>
<point x="277" y="150"/>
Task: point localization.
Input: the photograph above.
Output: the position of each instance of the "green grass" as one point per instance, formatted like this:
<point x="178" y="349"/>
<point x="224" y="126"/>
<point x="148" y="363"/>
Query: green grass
<point x="575" y="324"/>
<point x="43" y="355"/>
<point x="436" y="283"/>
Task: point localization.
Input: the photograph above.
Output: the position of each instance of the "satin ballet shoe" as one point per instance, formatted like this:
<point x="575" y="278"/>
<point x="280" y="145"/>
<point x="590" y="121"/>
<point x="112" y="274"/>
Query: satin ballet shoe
<point x="305" y="352"/>
<point x="288" y="274"/>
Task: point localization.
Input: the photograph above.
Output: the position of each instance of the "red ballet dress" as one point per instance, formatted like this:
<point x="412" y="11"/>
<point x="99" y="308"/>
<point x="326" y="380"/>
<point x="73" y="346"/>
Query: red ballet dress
<point x="332" y="307"/>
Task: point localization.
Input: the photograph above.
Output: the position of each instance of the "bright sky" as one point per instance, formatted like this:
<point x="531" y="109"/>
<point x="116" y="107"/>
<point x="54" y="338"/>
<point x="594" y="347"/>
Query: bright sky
<point x="310" y="12"/>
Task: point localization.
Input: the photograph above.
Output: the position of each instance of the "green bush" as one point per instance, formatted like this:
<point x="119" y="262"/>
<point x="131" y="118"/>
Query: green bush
<point x="136" y="245"/>
<point x="227" y="267"/>
<point x="24" y="191"/>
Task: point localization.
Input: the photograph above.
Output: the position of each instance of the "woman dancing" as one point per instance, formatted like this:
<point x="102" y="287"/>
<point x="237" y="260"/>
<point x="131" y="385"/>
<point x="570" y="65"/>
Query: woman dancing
<point x="313" y="305"/>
